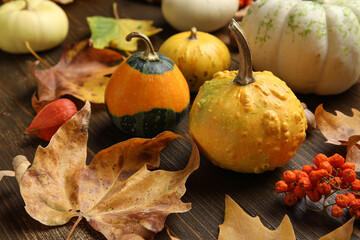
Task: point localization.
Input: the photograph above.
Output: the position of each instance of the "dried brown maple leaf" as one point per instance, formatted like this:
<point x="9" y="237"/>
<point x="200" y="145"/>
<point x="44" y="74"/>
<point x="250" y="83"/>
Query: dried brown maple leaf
<point x="341" y="129"/>
<point x="353" y="151"/>
<point x="117" y="193"/>
<point x="337" y="129"/>
<point x="83" y="72"/>
<point x="310" y="118"/>
<point x="239" y="225"/>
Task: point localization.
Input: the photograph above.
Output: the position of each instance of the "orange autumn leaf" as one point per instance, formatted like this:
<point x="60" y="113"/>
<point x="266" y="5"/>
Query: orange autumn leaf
<point x="83" y="72"/>
<point x="239" y="225"/>
<point x="338" y="128"/>
<point x="116" y="193"/>
<point x="342" y="233"/>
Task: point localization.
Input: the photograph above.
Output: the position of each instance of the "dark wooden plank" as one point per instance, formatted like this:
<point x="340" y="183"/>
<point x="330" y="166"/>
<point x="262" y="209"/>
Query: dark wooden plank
<point x="206" y="188"/>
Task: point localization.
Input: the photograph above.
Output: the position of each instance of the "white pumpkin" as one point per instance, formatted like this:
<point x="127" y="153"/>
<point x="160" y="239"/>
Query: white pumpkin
<point x="40" y="22"/>
<point x="314" y="46"/>
<point x="205" y="15"/>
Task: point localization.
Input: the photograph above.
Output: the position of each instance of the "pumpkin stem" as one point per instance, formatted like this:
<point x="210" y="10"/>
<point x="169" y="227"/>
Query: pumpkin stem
<point x="245" y="74"/>
<point x="149" y="54"/>
<point x="27" y="7"/>
<point x="115" y="11"/>
<point x="193" y="35"/>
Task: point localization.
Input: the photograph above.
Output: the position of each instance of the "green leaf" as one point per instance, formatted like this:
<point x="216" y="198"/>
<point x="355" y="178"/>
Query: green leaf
<point x="111" y="32"/>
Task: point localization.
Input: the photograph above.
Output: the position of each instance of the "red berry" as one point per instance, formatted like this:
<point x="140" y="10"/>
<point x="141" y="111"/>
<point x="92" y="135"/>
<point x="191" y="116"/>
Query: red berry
<point x="291" y="187"/>
<point x="345" y="186"/>
<point x="339" y="173"/>
<point x="357" y="213"/>
<point x="348" y="165"/>
<point x="316" y="175"/>
<point x="337" y="211"/>
<point x="349" y="175"/>
<point x="314" y="195"/>
<point x="290" y="199"/>
<point x="300" y="175"/>
<point x="354" y="204"/>
<point x="327" y="166"/>
<point x="308" y="169"/>
<point x="289" y="176"/>
<point x="299" y="192"/>
<point x="350" y="196"/>
<point x="281" y="186"/>
<point x="305" y="184"/>
<point x="336" y="160"/>
<point x="355" y="185"/>
<point x="342" y="200"/>
<point x="323" y="187"/>
<point x="320" y="158"/>
<point x="335" y="183"/>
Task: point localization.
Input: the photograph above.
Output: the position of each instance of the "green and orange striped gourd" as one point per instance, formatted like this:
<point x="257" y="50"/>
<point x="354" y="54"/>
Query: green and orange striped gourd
<point x="147" y="94"/>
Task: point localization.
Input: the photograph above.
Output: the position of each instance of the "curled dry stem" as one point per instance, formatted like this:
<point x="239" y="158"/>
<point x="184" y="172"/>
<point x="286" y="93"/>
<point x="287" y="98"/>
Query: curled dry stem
<point x="73" y="228"/>
<point x="27" y="45"/>
<point x="324" y="205"/>
<point x="310" y="208"/>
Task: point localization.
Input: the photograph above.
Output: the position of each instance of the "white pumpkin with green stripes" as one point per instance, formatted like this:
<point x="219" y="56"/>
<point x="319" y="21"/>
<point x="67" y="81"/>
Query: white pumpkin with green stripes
<point x="314" y="46"/>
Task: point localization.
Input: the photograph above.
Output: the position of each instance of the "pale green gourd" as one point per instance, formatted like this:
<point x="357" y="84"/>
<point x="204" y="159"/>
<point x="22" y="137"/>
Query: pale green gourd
<point x="314" y="46"/>
<point x="42" y="23"/>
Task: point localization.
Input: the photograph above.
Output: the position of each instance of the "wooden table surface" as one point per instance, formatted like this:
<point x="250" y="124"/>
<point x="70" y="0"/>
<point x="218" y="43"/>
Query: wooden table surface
<point x="206" y="188"/>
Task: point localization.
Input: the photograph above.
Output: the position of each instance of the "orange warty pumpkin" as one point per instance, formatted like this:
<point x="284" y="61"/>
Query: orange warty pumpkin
<point x="247" y="122"/>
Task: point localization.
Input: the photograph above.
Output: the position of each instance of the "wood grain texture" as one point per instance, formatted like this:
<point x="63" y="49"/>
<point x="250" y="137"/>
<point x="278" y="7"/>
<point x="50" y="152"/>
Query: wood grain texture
<point x="206" y="188"/>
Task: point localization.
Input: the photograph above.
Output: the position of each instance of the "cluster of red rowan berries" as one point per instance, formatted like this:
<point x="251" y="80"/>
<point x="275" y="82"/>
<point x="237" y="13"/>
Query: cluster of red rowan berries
<point x="330" y="175"/>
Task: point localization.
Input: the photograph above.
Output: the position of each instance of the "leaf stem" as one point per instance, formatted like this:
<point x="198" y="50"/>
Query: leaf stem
<point x="73" y="228"/>
<point x="27" y="45"/>
<point x="7" y="173"/>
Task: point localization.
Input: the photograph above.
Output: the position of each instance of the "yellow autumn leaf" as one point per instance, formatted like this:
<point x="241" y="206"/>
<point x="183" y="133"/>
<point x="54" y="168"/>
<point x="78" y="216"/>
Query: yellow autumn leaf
<point x="240" y="226"/>
<point x="342" y="233"/>
<point x="111" y="32"/>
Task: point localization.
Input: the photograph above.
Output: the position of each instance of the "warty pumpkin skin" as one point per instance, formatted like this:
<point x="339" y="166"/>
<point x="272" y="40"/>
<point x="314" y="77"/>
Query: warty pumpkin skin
<point x="248" y="129"/>
<point x="250" y="123"/>
<point x="144" y="98"/>
<point x="314" y="46"/>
